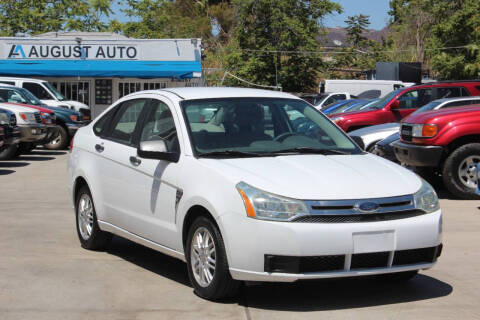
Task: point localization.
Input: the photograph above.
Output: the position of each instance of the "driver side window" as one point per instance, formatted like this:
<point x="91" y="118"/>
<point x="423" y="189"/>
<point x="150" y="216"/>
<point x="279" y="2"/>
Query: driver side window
<point x="160" y="125"/>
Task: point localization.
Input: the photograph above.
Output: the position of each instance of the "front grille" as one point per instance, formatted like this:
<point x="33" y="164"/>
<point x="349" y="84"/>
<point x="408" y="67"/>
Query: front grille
<point x="38" y="118"/>
<point x="413" y="256"/>
<point x="369" y="260"/>
<point x="352" y="218"/>
<point x="406" y="132"/>
<point x="85" y="112"/>
<point x="13" y="120"/>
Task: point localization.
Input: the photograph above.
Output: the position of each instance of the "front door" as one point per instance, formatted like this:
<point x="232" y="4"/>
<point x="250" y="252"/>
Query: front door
<point x="157" y="193"/>
<point x="411" y="101"/>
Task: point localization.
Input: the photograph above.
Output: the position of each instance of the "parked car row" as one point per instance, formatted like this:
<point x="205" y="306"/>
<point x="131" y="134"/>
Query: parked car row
<point x="453" y="124"/>
<point x="27" y="122"/>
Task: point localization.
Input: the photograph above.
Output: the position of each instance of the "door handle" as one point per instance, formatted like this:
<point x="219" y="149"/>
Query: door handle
<point x="135" y="161"/>
<point x="99" y="148"/>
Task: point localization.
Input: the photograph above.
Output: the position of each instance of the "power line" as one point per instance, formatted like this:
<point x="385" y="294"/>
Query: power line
<point x="357" y="50"/>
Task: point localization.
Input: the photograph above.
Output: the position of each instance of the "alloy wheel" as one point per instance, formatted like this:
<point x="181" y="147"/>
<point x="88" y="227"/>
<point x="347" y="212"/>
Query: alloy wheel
<point x="467" y="171"/>
<point x="85" y="216"/>
<point x="203" y="257"/>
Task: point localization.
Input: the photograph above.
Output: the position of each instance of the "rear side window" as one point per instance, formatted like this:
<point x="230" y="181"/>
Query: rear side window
<point x="448" y="92"/>
<point x="8" y="82"/>
<point x="37" y="90"/>
<point x="465" y="92"/>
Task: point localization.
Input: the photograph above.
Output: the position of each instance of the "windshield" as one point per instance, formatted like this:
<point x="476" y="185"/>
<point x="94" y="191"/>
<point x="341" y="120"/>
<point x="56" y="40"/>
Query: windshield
<point x="382" y="102"/>
<point x="30" y="97"/>
<point x="236" y="127"/>
<point x="429" y="106"/>
<point x="13" y="95"/>
<point x="52" y="89"/>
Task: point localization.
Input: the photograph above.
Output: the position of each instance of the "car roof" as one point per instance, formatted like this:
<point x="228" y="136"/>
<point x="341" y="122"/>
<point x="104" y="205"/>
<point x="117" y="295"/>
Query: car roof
<point x="189" y="93"/>
<point x="20" y="78"/>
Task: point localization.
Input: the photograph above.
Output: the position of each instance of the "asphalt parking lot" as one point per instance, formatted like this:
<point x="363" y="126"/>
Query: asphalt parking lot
<point x="45" y="274"/>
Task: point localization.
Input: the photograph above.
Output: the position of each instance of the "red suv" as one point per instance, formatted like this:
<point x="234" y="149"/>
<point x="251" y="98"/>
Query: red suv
<point x="446" y="142"/>
<point x="400" y="103"/>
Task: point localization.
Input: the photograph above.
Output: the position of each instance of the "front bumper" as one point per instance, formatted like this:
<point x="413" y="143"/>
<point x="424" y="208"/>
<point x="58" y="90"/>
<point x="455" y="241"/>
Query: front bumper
<point x="73" y="128"/>
<point x="13" y="136"/>
<point x="32" y="132"/>
<point x="252" y="243"/>
<point x="418" y="155"/>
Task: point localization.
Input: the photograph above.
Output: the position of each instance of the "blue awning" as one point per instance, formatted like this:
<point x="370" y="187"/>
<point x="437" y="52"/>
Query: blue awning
<point x="100" y="68"/>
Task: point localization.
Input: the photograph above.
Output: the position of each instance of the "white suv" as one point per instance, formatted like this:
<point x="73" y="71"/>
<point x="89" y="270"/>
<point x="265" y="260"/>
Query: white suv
<point x="247" y="184"/>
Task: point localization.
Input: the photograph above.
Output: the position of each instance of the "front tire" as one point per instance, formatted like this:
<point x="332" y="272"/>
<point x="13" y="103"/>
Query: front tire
<point x="459" y="171"/>
<point x="60" y="142"/>
<point x="89" y="234"/>
<point x="9" y="152"/>
<point x="207" y="261"/>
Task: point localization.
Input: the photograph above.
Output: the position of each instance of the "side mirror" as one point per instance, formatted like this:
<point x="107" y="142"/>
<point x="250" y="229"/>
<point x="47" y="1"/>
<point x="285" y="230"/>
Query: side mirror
<point x="478" y="179"/>
<point x="156" y="150"/>
<point x="395" y="105"/>
<point x="359" y="141"/>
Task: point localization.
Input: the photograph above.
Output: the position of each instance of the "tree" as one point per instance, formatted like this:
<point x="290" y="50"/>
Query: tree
<point x="459" y="27"/>
<point x="274" y="42"/>
<point x="356" y="27"/>
<point x="39" y="16"/>
<point x="411" y="25"/>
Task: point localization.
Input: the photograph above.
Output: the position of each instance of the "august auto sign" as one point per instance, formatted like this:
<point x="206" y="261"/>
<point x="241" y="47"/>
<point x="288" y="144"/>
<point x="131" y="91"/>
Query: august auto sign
<point x="67" y="51"/>
<point x="24" y="48"/>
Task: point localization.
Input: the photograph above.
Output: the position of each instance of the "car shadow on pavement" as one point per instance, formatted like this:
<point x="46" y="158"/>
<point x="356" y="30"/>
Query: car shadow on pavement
<point x="149" y="259"/>
<point x="337" y="294"/>
<point x="10" y="164"/>
<point x="5" y="172"/>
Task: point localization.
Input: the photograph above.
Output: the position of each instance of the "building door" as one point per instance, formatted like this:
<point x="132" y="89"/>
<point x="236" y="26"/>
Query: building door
<point x="77" y="90"/>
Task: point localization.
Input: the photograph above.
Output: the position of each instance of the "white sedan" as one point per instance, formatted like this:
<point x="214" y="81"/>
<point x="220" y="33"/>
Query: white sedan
<point x="266" y="188"/>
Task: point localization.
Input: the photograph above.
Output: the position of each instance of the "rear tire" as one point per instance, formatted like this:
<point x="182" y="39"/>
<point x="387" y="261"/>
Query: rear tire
<point x="89" y="233"/>
<point x="9" y="152"/>
<point x="60" y="142"/>
<point x="458" y="171"/>
<point x="204" y="249"/>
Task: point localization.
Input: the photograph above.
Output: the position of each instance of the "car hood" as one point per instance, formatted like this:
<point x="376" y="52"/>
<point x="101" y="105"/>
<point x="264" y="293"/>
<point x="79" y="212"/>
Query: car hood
<point x="386" y="127"/>
<point x="64" y="110"/>
<point x="319" y="177"/>
<point x="351" y="113"/>
<point x="450" y="113"/>
<point x="77" y="104"/>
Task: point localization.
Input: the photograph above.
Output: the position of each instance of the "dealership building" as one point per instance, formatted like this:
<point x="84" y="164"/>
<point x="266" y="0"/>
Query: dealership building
<point x="98" y="68"/>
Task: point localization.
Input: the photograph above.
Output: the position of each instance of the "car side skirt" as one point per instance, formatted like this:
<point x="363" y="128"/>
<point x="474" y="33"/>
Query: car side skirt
<point x="108" y="227"/>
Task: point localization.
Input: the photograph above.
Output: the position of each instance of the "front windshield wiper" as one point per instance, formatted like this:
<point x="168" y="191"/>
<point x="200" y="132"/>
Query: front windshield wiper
<point x="230" y="154"/>
<point x="308" y="150"/>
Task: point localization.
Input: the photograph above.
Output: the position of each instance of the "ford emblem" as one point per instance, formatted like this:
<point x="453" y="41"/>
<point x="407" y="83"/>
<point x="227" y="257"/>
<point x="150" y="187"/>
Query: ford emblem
<point x="367" y="207"/>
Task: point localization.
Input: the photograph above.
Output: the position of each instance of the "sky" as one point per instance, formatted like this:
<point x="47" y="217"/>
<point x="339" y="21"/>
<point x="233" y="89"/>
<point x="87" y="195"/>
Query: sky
<point x="376" y="9"/>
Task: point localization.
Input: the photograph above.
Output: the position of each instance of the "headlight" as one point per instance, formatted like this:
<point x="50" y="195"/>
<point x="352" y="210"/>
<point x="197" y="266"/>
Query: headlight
<point x="263" y="205"/>
<point x="3" y="117"/>
<point x="336" y="119"/>
<point x="424" y="130"/>
<point x="74" y="117"/>
<point x="29" y="117"/>
<point x="426" y="198"/>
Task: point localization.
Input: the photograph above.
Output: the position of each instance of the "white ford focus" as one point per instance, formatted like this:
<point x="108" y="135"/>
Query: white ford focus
<point x="247" y="184"/>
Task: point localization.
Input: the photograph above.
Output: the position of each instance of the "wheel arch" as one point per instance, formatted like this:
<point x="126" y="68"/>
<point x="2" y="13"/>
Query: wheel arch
<point x="458" y="142"/>
<point x="194" y="212"/>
